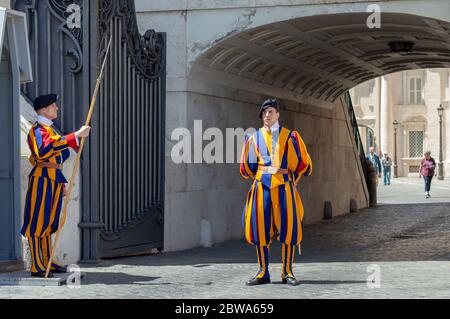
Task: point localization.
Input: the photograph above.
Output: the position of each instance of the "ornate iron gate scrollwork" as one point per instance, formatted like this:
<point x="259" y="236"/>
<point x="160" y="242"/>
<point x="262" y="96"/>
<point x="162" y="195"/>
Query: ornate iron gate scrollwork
<point x="57" y="57"/>
<point x="123" y="162"/>
<point x="131" y="133"/>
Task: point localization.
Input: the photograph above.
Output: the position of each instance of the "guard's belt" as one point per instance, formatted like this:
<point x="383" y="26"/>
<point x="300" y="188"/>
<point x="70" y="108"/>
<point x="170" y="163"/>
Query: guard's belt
<point x="273" y="170"/>
<point x="48" y="165"/>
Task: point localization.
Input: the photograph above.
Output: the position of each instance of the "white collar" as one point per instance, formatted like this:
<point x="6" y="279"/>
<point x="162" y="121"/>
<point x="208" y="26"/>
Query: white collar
<point x="44" y="120"/>
<point x="275" y="127"/>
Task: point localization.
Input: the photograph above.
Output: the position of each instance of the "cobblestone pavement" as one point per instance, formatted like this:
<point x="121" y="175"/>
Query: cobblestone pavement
<point x="409" y="243"/>
<point x="412" y="190"/>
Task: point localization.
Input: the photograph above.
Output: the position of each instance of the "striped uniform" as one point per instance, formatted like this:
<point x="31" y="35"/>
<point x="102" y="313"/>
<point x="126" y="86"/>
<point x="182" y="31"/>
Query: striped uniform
<point x="273" y="204"/>
<point x="45" y="190"/>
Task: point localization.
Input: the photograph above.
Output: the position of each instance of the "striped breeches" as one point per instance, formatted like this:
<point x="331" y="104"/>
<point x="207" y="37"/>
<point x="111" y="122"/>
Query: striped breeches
<point x="273" y="209"/>
<point x="42" y="207"/>
<point x="41" y="219"/>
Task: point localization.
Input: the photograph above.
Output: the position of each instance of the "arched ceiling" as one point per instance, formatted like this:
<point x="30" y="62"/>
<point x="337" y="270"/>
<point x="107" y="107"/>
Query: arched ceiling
<point x="323" y="56"/>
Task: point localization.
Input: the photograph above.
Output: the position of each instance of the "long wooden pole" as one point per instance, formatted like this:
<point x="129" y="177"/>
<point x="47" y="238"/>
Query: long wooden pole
<point x="77" y="161"/>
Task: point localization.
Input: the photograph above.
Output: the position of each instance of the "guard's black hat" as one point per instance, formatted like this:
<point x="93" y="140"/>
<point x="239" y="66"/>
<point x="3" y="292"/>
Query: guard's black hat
<point x="266" y="104"/>
<point x="44" y="100"/>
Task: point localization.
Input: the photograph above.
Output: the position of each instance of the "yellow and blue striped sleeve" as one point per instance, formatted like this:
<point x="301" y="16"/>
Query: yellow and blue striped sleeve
<point x="249" y="160"/>
<point x="299" y="160"/>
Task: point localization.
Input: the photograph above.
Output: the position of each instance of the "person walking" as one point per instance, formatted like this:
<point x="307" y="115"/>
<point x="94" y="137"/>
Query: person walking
<point x="387" y="164"/>
<point x="375" y="159"/>
<point x="275" y="158"/>
<point x="427" y="166"/>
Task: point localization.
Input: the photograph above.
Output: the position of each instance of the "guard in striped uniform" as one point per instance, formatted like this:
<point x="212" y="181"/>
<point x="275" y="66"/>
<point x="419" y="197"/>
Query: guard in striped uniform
<point x="46" y="186"/>
<point x="275" y="158"/>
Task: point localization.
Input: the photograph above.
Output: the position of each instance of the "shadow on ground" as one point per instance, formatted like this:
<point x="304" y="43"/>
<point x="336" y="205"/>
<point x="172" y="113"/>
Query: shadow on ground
<point x="115" y="278"/>
<point x="416" y="232"/>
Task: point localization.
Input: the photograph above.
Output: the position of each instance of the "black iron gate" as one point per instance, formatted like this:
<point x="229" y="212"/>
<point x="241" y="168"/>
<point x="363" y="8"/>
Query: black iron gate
<point x="123" y="162"/>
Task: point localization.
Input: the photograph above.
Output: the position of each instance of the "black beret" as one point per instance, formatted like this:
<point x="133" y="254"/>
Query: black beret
<point x="44" y="100"/>
<point x="266" y="104"/>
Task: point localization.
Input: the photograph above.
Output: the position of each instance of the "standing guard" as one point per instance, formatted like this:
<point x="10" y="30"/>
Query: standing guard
<point x="275" y="158"/>
<point x="46" y="186"/>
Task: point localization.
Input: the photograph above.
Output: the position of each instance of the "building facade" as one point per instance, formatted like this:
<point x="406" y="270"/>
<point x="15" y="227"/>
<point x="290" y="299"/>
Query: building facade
<point x="411" y="98"/>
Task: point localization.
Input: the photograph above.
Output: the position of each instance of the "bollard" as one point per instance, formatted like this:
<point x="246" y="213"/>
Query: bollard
<point x="328" y="210"/>
<point x="206" y="233"/>
<point x="353" y="205"/>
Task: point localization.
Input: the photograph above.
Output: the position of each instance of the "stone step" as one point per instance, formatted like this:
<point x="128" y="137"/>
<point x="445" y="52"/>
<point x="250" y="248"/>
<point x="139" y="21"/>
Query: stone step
<point x="24" y="279"/>
<point x="11" y="265"/>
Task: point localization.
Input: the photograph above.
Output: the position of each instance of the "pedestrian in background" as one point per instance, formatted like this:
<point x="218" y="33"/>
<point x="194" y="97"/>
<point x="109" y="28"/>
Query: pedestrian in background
<point x="375" y="159"/>
<point x="387" y="164"/>
<point x="427" y="166"/>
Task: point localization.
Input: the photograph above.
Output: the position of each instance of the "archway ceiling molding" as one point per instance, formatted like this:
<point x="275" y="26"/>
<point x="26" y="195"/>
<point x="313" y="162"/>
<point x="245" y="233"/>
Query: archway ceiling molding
<point x="317" y="58"/>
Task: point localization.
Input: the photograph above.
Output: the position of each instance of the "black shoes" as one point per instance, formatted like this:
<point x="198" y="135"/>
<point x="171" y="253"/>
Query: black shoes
<point x="258" y="281"/>
<point x="55" y="269"/>
<point x="41" y="274"/>
<point x="58" y="270"/>
<point x="291" y="281"/>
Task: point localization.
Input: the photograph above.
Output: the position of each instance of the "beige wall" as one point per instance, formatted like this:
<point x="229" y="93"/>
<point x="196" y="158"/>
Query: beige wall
<point x="412" y="117"/>
<point x="216" y="192"/>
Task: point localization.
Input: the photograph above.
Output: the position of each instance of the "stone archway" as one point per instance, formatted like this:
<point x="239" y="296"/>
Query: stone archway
<point x="315" y="59"/>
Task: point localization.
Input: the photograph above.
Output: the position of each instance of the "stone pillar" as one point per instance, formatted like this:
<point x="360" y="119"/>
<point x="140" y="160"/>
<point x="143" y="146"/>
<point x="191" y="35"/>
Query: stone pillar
<point x="384" y="115"/>
<point x="445" y="97"/>
<point x="432" y="95"/>
<point x="377" y="111"/>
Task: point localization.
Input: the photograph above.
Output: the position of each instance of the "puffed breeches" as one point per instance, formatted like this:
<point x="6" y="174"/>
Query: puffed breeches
<point x="42" y="207"/>
<point x="268" y="211"/>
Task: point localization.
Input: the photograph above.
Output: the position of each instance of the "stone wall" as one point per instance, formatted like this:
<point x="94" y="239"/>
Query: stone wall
<point x="216" y="192"/>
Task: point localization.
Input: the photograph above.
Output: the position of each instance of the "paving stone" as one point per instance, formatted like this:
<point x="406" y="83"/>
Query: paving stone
<point x="23" y="278"/>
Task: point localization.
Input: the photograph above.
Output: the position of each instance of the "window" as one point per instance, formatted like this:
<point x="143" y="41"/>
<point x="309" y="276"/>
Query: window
<point x="415" y="91"/>
<point x="414" y="168"/>
<point x="415" y="144"/>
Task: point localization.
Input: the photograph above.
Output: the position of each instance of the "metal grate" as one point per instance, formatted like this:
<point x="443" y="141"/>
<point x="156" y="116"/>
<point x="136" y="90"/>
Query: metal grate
<point x="415" y="144"/>
<point x="131" y="133"/>
<point x="357" y="136"/>
<point x="414" y="168"/>
<point x="122" y="166"/>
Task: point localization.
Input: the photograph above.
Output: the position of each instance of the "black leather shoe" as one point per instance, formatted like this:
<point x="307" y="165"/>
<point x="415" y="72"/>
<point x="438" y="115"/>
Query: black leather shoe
<point x="291" y="281"/>
<point x="57" y="269"/>
<point x="61" y="270"/>
<point x="41" y="274"/>
<point x="258" y="281"/>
